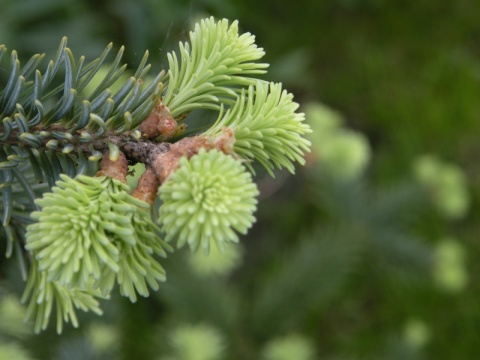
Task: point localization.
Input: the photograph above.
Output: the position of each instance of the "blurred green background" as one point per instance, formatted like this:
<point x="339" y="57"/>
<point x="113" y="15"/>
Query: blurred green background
<point x="370" y="252"/>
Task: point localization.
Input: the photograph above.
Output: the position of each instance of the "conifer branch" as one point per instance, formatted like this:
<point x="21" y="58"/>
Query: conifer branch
<point x="74" y="128"/>
<point x="267" y="127"/>
<point x="212" y="68"/>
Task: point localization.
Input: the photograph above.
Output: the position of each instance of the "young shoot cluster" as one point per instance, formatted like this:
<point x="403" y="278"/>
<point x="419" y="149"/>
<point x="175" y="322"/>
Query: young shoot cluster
<point x="207" y="200"/>
<point x="90" y="233"/>
<point x="87" y="234"/>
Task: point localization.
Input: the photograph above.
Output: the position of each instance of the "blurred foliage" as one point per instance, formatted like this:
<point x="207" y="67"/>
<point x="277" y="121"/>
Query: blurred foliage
<point x="366" y="266"/>
<point x="446" y="184"/>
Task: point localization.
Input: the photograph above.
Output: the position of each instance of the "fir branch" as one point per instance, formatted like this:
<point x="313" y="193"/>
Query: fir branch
<point x="36" y="114"/>
<point x="206" y="199"/>
<point x="267" y="127"/>
<point x="89" y="233"/>
<point x="216" y="62"/>
<point x="91" y="228"/>
<point x="52" y="127"/>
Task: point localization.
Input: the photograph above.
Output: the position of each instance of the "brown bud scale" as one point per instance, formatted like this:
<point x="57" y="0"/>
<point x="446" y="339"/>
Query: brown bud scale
<point x="114" y="169"/>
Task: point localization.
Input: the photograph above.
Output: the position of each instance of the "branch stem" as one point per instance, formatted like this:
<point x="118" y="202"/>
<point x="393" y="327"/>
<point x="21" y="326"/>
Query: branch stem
<point x="162" y="158"/>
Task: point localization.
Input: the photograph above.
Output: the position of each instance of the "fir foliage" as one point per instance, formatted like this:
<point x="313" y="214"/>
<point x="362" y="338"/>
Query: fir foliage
<point x="212" y="67"/>
<point x="43" y="294"/>
<point x="401" y="79"/>
<point x="83" y="234"/>
<point x="267" y="127"/>
<point x="49" y="121"/>
<point x="207" y="200"/>
<point x="89" y="229"/>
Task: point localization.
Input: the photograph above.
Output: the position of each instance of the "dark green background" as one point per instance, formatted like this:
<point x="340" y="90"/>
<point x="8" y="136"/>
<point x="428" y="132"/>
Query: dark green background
<point x="346" y="265"/>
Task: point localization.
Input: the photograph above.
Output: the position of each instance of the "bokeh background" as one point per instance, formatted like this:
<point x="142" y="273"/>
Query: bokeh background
<point x="370" y="252"/>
